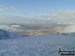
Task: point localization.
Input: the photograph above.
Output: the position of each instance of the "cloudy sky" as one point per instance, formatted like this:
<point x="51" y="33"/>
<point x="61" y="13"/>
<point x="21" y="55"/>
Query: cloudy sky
<point x="59" y="11"/>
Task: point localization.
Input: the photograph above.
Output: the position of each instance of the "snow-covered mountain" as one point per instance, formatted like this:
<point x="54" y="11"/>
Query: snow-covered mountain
<point x="16" y="28"/>
<point x="42" y="45"/>
<point x="67" y="29"/>
<point x="70" y="28"/>
<point x="13" y="28"/>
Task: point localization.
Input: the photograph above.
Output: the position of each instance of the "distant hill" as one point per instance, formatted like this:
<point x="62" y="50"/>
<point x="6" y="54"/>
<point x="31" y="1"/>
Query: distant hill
<point x="41" y="31"/>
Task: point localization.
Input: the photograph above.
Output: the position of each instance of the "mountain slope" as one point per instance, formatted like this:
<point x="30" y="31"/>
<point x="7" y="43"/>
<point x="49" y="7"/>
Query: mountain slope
<point x="43" y="45"/>
<point x="6" y="35"/>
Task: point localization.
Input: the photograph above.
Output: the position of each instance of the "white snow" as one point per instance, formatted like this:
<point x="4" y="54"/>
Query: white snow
<point x="43" y="45"/>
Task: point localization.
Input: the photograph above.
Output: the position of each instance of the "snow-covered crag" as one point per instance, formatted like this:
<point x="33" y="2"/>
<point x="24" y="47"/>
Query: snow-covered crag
<point x="7" y="35"/>
<point x="13" y="28"/>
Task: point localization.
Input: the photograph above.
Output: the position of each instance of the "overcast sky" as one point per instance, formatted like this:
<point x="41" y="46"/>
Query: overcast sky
<point x="61" y="11"/>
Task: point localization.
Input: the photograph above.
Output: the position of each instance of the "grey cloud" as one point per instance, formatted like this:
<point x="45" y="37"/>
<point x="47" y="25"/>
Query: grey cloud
<point x="12" y="19"/>
<point x="2" y="9"/>
<point x="64" y="16"/>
